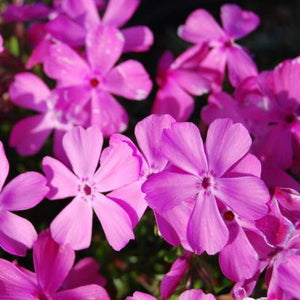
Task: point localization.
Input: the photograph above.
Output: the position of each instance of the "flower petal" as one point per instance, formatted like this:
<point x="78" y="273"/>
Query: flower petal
<point x="114" y="220"/>
<point x="206" y="229"/>
<point x="118" y="166"/>
<point x="4" y="165"/>
<point x="247" y="196"/>
<point x="75" y="34"/>
<point x="148" y="134"/>
<point x="289" y="275"/>
<point x="130" y="80"/>
<point x="16" y="233"/>
<point x="191" y="81"/>
<point x="238" y="22"/>
<point x="131" y="199"/>
<point x="91" y="291"/>
<point x="52" y="262"/>
<point x="200" y="26"/>
<point x="166" y="190"/>
<point x="61" y="181"/>
<point x="65" y="65"/>
<point x="195" y="295"/>
<point x="174" y="276"/>
<point x="73" y="225"/>
<point x="118" y="12"/>
<point x="104" y="46"/>
<point x="226" y="143"/>
<point x="14" y="284"/>
<point x="29" y="135"/>
<point x="240" y="65"/>
<point x="22" y="94"/>
<point x="182" y="145"/>
<point x="83" y="148"/>
<point x="137" y="39"/>
<point x="86" y="271"/>
<point x="173" y="100"/>
<point x="108" y="114"/>
<point x="238" y="260"/>
<point x="24" y="191"/>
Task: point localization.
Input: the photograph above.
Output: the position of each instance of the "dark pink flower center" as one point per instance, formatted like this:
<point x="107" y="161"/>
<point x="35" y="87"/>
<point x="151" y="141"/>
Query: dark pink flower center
<point x="206" y="183"/>
<point x="229" y="215"/>
<point x="87" y="190"/>
<point x="94" y="82"/>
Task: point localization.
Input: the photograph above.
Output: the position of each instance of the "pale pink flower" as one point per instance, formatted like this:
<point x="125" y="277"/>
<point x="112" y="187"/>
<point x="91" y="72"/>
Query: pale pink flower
<point x="118" y="167"/>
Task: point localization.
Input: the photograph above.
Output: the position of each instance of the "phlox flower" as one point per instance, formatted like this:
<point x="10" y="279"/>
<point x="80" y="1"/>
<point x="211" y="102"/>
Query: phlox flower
<point x="96" y="79"/>
<point x="52" y="264"/>
<point x="56" y="112"/>
<point x="205" y="177"/>
<point x="200" y="26"/>
<point x="178" y="80"/>
<point x="118" y="167"/>
<point x="23" y="192"/>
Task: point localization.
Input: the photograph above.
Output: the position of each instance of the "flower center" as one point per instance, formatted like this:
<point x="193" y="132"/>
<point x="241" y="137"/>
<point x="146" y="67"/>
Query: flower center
<point x="94" y="82"/>
<point x="87" y="190"/>
<point x="206" y="183"/>
<point x="228" y="215"/>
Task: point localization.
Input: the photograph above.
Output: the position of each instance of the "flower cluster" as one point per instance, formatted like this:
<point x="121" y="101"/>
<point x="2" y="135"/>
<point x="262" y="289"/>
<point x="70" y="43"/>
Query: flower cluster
<point x="227" y="189"/>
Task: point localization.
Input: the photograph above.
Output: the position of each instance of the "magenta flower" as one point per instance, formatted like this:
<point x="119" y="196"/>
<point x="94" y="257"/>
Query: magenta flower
<point x="23" y="192"/>
<point x="178" y="80"/>
<point x="96" y="79"/>
<point x="52" y="264"/>
<point x="200" y="26"/>
<point x="118" y="167"/>
<point x="56" y="113"/>
<point x="203" y="176"/>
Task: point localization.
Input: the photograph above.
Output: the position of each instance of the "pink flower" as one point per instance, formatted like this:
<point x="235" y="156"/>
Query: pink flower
<point x="178" y="80"/>
<point x="118" y="167"/>
<point x="52" y="264"/>
<point x="96" y="79"/>
<point x="205" y="176"/>
<point x="56" y="112"/>
<point x="200" y="26"/>
<point x="23" y="192"/>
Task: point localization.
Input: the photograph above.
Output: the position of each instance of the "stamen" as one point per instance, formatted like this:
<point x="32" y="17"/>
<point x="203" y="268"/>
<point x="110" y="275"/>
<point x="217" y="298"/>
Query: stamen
<point x="94" y="82"/>
<point x="229" y="215"/>
<point x="87" y="190"/>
